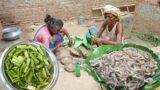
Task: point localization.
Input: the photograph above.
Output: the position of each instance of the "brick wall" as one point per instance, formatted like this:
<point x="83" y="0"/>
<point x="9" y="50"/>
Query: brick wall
<point x="30" y="11"/>
<point x="1" y="7"/>
<point x="154" y="2"/>
<point x="26" y="11"/>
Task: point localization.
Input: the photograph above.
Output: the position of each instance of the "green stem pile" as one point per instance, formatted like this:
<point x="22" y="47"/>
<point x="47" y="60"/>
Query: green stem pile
<point x="27" y="67"/>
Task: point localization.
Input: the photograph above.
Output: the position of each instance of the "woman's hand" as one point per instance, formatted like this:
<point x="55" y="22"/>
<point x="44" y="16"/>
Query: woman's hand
<point x="57" y="45"/>
<point x="60" y="45"/>
<point x="70" y="43"/>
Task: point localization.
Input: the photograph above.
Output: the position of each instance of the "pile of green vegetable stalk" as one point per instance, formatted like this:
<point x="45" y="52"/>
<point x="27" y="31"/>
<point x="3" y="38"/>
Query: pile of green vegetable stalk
<point x="108" y="49"/>
<point x="28" y="67"/>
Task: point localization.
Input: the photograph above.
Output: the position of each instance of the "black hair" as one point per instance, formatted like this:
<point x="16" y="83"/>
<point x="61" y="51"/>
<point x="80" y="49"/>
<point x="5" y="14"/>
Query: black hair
<point x="58" y="22"/>
<point x="53" y="22"/>
<point x="48" y="17"/>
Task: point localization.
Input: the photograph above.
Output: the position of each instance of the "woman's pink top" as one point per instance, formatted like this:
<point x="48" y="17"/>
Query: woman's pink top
<point x="43" y="36"/>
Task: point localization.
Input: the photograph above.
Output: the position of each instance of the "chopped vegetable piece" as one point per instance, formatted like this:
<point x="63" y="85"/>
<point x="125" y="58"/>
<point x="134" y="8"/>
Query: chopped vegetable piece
<point x="28" y="67"/>
<point x="31" y="88"/>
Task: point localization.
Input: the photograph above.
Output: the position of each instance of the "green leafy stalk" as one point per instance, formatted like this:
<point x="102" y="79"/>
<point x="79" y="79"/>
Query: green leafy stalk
<point x="28" y="67"/>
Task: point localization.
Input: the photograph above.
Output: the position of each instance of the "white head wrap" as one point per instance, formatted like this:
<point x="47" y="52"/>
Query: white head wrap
<point x="113" y="10"/>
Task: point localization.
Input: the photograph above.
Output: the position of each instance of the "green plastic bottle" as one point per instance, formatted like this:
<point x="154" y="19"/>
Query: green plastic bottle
<point x="78" y="63"/>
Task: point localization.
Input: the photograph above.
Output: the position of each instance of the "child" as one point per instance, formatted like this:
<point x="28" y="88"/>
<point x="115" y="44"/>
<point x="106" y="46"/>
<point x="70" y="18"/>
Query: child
<point x="51" y="34"/>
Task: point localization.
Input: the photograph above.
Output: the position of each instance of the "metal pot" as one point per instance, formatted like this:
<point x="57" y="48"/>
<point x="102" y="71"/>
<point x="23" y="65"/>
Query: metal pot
<point x="51" y="57"/>
<point x="11" y="33"/>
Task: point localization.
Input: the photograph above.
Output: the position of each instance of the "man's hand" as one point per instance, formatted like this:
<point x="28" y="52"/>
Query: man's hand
<point x="99" y="41"/>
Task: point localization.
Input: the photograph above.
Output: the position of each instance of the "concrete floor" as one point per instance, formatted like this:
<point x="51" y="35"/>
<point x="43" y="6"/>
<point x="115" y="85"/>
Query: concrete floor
<point x="68" y="81"/>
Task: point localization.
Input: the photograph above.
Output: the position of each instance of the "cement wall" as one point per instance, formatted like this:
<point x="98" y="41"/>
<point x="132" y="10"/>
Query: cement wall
<point x="147" y="17"/>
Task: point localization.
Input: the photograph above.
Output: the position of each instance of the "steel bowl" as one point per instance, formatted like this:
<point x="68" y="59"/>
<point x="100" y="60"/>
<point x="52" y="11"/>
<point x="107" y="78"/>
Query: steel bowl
<point x="52" y="60"/>
<point x="11" y="33"/>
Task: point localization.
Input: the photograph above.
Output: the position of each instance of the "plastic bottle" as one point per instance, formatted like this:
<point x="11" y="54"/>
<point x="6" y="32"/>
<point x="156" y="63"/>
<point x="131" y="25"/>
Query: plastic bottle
<point x="81" y="20"/>
<point x="78" y="63"/>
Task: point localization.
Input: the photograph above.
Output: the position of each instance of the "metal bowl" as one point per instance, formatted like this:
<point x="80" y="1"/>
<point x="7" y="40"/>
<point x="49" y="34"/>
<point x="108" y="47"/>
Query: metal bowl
<point x="11" y="33"/>
<point x="52" y="60"/>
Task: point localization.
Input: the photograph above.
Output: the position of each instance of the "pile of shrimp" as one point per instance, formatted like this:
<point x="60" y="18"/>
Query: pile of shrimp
<point x="129" y="67"/>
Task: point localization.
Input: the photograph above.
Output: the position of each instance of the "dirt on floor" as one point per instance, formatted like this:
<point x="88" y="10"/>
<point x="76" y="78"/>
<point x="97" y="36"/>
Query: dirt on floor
<point x="68" y="81"/>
